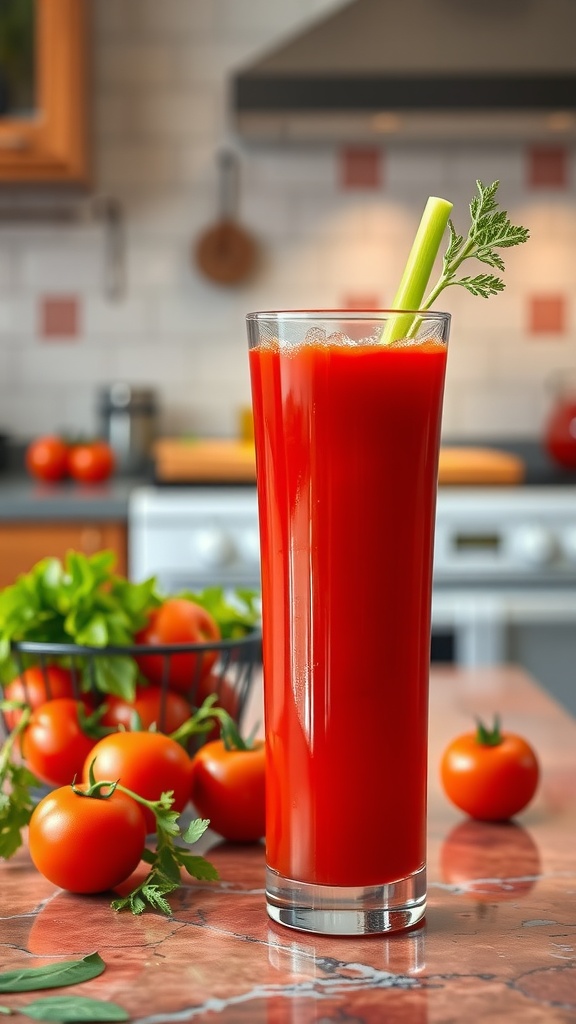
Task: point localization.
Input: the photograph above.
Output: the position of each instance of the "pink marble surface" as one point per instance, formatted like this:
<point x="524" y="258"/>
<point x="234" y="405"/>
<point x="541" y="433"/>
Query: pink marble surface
<point x="498" y="942"/>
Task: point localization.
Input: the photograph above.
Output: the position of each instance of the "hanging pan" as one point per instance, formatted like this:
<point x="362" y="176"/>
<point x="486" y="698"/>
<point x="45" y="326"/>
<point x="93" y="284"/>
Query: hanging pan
<point x="226" y="252"/>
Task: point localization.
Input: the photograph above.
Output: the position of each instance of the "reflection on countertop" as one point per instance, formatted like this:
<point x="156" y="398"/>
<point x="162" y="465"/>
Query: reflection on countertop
<point x="498" y="942"/>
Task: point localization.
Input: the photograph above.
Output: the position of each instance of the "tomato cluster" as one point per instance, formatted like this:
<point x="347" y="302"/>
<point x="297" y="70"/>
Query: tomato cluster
<point x="88" y="844"/>
<point x="50" y="459"/>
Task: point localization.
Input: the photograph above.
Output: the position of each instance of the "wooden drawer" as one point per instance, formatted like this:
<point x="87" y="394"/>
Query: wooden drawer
<point x="24" y="544"/>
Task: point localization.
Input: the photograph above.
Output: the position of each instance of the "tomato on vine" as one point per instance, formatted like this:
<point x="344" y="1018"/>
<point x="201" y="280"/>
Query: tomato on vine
<point x="152" y="705"/>
<point x="490" y="774"/>
<point x="228" y="777"/>
<point x="56" y="743"/>
<point x="178" y="621"/>
<point x="34" y="686"/>
<point x="86" y="844"/>
<point x="149" y="763"/>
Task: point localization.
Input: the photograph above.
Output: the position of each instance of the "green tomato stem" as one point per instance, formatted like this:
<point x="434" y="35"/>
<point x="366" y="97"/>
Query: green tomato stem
<point x="489" y="737"/>
<point x="8" y="745"/>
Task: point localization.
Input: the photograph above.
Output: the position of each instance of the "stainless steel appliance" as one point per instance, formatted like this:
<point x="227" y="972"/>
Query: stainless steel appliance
<point x="504" y="575"/>
<point x="128" y="417"/>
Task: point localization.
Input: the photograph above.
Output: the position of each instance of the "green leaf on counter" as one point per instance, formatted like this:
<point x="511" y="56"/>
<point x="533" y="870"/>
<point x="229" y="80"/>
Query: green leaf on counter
<point x="56" y="975"/>
<point x="64" y="1009"/>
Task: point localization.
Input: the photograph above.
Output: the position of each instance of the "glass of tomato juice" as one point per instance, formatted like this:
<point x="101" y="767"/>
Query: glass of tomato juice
<point x="347" y="435"/>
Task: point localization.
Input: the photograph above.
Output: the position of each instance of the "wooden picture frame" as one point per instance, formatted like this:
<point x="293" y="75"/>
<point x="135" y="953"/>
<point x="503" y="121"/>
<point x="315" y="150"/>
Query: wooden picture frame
<point x="53" y="145"/>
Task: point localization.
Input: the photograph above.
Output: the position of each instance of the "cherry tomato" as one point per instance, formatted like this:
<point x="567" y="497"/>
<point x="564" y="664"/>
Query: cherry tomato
<point x="148" y="763"/>
<point x="35" y="686"/>
<point x="54" y="745"/>
<point x="86" y="844"/>
<point x="179" y="621"/>
<point x="491" y="775"/>
<point x="228" y="788"/>
<point x="47" y="458"/>
<point x="91" y="462"/>
<point x="168" y="712"/>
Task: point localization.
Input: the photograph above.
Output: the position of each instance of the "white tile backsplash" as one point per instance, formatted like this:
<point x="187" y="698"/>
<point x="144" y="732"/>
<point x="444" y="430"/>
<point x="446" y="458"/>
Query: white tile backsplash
<point x="160" y="119"/>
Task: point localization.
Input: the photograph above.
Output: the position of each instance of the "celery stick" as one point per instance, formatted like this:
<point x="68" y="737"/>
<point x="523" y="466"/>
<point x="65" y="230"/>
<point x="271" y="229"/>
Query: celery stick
<point x="418" y="267"/>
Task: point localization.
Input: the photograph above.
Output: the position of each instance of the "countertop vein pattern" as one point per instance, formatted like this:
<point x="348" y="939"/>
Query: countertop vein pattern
<point x="498" y="943"/>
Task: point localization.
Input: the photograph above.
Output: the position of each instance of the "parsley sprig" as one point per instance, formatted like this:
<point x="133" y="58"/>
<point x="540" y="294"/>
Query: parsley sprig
<point x="167" y="859"/>
<point x="490" y="230"/>
<point x="16" y="786"/>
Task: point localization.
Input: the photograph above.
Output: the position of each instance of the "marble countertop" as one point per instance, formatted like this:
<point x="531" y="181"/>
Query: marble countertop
<point x="498" y="942"/>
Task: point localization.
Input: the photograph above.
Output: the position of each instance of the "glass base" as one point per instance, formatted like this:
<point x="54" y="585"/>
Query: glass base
<point x="346" y="910"/>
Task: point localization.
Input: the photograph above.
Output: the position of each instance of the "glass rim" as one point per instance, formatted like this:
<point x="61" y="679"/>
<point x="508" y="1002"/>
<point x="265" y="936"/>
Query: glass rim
<point x="344" y="314"/>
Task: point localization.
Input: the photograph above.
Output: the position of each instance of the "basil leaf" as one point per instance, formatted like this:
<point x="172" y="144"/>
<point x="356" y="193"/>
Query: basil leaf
<point x="65" y="972"/>
<point x="73" y="1008"/>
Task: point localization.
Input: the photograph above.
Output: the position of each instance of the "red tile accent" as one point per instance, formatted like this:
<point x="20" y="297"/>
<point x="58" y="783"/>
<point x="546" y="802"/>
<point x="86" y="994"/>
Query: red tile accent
<point x="59" y="317"/>
<point x="547" y="314"/>
<point x="361" y="300"/>
<point x="547" y="167"/>
<point x="361" y="167"/>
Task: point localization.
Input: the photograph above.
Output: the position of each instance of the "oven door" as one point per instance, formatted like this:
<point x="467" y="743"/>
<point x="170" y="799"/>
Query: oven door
<point x="531" y="626"/>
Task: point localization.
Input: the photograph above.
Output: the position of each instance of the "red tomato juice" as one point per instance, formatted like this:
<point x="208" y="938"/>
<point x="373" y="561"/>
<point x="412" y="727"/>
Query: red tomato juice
<point x="347" y="443"/>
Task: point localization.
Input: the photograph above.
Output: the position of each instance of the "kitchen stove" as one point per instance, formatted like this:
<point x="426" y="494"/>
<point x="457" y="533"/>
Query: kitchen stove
<point x="504" y="564"/>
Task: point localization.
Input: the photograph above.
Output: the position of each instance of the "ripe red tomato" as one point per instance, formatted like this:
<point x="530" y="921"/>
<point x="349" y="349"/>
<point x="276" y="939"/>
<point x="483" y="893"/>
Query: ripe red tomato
<point x="35" y="686"/>
<point x="228" y="788"/>
<point x="47" y="458"/>
<point x="488" y="774"/>
<point x="179" y="621"/>
<point x="148" y="763"/>
<point x="54" y="745"/>
<point x="168" y="711"/>
<point x="86" y="844"/>
<point x="91" y="462"/>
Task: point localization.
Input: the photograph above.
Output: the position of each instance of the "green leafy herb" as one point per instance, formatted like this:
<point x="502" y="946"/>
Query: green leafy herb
<point x="16" y="784"/>
<point x="65" y="1009"/>
<point x="80" y="601"/>
<point x="169" y="857"/>
<point x="57" y="975"/>
<point x="490" y="230"/>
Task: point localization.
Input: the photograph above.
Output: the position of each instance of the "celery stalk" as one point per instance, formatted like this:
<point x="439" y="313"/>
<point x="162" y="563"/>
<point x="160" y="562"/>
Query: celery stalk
<point x="418" y="267"/>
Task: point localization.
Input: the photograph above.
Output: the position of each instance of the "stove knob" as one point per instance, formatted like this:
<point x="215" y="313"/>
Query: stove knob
<point x="569" y="544"/>
<point x="213" y="547"/>
<point x="534" y="545"/>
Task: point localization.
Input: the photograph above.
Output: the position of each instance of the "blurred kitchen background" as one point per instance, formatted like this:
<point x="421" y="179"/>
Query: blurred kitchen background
<point x="332" y="223"/>
<point x="144" y="125"/>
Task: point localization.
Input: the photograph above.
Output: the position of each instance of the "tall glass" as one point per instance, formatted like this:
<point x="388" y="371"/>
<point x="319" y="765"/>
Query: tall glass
<point x="347" y="433"/>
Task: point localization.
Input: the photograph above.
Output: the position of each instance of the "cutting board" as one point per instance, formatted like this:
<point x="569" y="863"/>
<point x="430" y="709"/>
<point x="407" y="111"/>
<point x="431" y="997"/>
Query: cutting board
<point x="221" y="461"/>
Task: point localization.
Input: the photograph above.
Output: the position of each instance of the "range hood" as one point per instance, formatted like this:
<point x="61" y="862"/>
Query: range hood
<point x="417" y="69"/>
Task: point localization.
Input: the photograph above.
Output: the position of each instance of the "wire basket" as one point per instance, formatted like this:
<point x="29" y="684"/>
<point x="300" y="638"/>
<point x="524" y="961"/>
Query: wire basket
<point x="225" y="668"/>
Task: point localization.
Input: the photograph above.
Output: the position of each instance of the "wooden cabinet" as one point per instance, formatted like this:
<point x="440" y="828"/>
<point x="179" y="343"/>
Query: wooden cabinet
<point x="43" y="92"/>
<point x="24" y="544"/>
